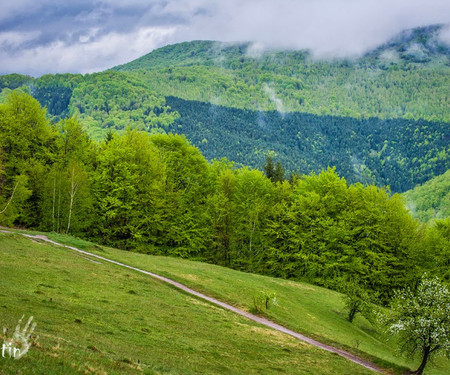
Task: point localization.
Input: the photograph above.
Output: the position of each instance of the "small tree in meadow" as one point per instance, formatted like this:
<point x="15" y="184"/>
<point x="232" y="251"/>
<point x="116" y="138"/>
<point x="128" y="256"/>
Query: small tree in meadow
<point x="356" y="301"/>
<point x="421" y="319"/>
<point x="264" y="299"/>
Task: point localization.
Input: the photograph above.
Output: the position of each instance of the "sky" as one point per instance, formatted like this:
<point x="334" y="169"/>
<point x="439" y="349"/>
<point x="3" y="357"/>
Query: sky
<point x="85" y="36"/>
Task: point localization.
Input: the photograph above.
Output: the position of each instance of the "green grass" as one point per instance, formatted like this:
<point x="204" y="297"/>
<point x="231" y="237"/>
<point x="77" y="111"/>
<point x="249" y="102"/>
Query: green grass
<point x="314" y="311"/>
<point x="100" y="318"/>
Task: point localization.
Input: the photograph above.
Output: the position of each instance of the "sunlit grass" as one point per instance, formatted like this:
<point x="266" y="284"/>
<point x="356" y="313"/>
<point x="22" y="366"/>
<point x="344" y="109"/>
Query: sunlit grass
<point x="99" y="318"/>
<point x="314" y="311"/>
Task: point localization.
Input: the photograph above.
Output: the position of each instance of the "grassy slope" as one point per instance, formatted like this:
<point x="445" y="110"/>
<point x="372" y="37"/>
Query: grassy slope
<point x="312" y="310"/>
<point x="103" y="319"/>
<point x="315" y="311"/>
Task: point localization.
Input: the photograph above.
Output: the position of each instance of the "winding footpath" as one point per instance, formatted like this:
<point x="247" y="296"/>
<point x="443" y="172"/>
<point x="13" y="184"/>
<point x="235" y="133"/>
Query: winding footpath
<point x="224" y="305"/>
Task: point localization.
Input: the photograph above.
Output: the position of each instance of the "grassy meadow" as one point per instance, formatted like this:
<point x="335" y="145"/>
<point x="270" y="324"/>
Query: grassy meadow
<point x="104" y="319"/>
<point x="101" y="319"/>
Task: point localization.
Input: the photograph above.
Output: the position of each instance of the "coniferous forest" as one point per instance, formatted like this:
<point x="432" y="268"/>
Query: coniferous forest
<point x="399" y="153"/>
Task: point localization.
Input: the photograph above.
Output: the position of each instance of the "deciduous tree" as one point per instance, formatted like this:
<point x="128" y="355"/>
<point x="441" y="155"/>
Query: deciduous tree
<point x="421" y="319"/>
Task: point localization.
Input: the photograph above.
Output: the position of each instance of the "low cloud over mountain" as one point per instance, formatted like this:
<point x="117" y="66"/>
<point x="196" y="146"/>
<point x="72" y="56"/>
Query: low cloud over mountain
<point x="37" y="36"/>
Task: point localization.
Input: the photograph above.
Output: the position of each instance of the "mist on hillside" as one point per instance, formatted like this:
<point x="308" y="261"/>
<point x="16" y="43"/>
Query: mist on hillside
<point x="36" y="37"/>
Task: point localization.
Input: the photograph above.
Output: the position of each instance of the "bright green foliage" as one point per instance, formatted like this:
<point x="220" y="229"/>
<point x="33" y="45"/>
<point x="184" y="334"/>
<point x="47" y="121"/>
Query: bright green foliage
<point x="126" y="185"/>
<point x="25" y="132"/>
<point x="378" y="253"/>
<point x="327" y="230"/>
<point x="388" y="83"/>
<point x="158" y="194"/>
<point x="421" y="318"/>
<point x="184" y="228"/>
<point x="221" y="210"/>
<point x="115" y="100"/>
<point x="27" y="148"/>
<point x="11" y="205"/>
<point x="253" y="196"/>
<point x="432" y="254"/>
<point x="431" y="200"/>
<point x="73" y="142"/>
<point x="66" y="199"/>
<point x="322" y="88"/>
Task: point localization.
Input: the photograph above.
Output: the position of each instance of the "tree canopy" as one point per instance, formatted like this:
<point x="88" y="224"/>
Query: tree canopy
<point x="156" y="193"/>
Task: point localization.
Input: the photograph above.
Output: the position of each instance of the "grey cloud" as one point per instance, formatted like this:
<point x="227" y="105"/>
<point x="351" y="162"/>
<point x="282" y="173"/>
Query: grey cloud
<point x="88" y="35"/>
<point x="327" y="27"/>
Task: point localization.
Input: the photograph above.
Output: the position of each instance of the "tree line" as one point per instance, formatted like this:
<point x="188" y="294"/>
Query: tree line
<point x="158" y="194"/>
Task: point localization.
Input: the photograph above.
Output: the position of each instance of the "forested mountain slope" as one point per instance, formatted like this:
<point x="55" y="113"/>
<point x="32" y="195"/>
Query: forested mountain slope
<point x="408" y="77"/>
<point x="430" y="200"/>
<point x="277" y="102"/>
<point x="400" y="153"/>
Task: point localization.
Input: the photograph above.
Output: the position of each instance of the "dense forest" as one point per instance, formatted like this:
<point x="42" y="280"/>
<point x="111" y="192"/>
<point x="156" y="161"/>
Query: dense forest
<point x="399" y="153"/>
<point x="101" y="101"/>
<point x="405" y="78"/>
<point x="382" y="118"/>
<point x="396" y="152"/>
<point x="158" y="194"/>
<point x="431" y="200"/>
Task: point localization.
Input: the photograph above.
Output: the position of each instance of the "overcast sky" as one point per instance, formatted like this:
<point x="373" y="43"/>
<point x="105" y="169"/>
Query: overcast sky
<point x="43" y="36"/>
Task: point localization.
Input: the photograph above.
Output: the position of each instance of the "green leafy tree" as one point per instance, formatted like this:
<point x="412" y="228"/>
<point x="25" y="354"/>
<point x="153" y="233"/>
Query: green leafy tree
<point x="421" y="319"/>
<point x="221" y="205"/>
<point x="27" y="141"/>
<point x="253" y="196"/>
<point x="126" y="188"/>
<point x="186" y="184"/>
<point x="357" y="300"/>
<point x="431" y="200"/>
<point x="11" y="206"/>
<point x="432" y="253"/>
<point x="77" y="180"/>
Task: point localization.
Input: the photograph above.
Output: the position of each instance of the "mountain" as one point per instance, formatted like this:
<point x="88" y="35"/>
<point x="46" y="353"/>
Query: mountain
<point x="420" y="45"/>
<point x="382" y="118"/>
<point x="430" y="200"/>
<point x="406" y="77"/>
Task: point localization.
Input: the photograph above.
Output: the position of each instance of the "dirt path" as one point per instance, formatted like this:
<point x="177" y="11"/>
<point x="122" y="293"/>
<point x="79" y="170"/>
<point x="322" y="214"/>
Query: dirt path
<point x="226" y="306"/>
